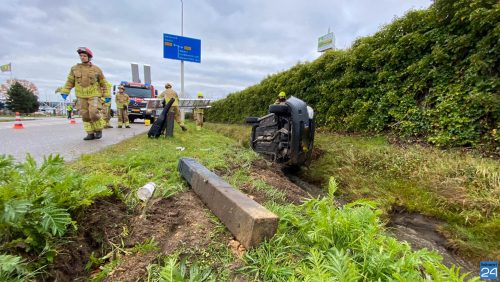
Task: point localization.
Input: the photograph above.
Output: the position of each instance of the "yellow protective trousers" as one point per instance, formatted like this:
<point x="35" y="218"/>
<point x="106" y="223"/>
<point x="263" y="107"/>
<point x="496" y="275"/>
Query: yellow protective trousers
<point x="107" y="114"/>
<point x="89" y="109"/>
<point x="177" y="115"/>
<point x="199" y="118"/>
<point x="122" y="117"/>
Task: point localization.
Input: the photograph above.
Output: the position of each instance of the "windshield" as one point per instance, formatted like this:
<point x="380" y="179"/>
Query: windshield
<point x="138" y="92"/>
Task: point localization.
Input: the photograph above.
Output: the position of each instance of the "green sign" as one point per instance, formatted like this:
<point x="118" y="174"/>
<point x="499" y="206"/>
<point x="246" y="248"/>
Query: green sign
<point x="326" y="42"/>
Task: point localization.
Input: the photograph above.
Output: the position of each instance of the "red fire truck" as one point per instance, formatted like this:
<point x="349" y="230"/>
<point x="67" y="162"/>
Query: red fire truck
<point x="143" y="104"/>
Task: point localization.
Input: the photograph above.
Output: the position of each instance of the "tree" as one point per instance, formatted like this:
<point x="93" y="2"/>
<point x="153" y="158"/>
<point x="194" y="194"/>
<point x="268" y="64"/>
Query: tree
<point x="20" y="99"/>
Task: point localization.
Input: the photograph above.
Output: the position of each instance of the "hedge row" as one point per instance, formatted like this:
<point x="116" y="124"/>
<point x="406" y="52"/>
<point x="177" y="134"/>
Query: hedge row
<point x="431" y="74"/>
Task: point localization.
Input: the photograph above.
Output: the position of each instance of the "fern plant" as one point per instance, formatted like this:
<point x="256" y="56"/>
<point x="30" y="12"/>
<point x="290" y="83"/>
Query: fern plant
<point x="175" y="270"/>
<point x="318" y="241"/>
<point x="37" y="203"/>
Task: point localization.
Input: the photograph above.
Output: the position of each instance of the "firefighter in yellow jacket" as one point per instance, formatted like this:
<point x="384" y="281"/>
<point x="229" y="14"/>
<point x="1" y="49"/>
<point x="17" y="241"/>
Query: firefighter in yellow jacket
<point x="90" y="85"/>
<point x="168" y="94"/>
<point x="198" y="114"/>
<point x="106" y="108"/>
<point x="281" y="98"/>
<point x="122" y="101"/>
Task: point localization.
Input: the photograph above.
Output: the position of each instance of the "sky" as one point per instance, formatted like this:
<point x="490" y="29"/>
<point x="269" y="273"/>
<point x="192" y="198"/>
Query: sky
<point x="242" y="42"/>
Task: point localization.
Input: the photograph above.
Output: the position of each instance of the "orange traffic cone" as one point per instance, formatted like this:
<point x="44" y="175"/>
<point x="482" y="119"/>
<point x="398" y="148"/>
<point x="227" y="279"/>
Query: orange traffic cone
<point x="18" y="124"/>
<point x="72" y="120"/>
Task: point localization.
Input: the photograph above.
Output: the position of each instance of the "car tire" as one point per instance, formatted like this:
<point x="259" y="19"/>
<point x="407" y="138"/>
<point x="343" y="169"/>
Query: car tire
<point x="279" y="109"/>
<point x="252" y="120"/>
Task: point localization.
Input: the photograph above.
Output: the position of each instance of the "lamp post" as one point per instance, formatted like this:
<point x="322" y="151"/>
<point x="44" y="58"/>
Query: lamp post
<point x="182" y="62"/>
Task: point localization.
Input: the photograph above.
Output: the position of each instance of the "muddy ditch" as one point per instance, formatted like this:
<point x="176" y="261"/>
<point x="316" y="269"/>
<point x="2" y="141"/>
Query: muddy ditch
<point x="418" y="230"/>
<point x="105" y="227"/>
<point x="424" y="232"/>
<point x="183" y="221"/>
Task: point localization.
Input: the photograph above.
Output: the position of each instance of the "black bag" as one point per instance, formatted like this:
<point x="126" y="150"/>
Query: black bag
<point x="161" y="123"/>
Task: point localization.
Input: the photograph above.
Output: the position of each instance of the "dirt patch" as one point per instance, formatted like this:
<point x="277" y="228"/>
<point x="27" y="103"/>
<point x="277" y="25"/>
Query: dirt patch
<point x="273" y="175"/>
<point x="99" y="224"/>
<point x="423" y="232"/>
<point x="178" y="222"/>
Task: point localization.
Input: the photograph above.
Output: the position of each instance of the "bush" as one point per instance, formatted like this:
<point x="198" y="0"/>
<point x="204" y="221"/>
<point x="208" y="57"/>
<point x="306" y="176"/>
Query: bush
<point x="431" y="74"/>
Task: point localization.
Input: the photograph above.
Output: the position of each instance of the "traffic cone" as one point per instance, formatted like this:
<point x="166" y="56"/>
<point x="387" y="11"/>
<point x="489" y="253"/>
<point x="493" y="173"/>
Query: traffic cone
<point x="72" y="120"/>
<point x="18" y="124"/>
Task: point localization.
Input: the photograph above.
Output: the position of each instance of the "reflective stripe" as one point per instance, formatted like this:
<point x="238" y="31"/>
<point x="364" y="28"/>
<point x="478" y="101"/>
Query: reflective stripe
<point x="87" y="126"/>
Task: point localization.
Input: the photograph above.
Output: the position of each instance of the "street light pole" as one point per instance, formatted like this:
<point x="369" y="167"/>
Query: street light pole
<point x="182" y="62"/>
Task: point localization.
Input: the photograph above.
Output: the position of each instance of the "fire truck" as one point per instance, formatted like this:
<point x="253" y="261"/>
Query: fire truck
<point x="143" y="104"/>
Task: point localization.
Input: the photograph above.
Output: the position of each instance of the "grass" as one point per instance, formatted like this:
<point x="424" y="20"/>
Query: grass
<point x="457" y="187"/>
<point x="318" y="241"/>
<point x="315" y="240"/>
<point x="129" y="165"/>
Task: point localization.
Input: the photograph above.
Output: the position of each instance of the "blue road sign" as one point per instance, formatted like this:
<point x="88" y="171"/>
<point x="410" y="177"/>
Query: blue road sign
<point x="181" y="48"/>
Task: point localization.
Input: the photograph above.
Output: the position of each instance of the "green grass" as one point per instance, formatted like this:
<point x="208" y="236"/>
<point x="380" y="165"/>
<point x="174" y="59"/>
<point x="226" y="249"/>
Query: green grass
<point x="315" y="240"/>
<point x="318" y="241"/>
<point x="458" y="187"/>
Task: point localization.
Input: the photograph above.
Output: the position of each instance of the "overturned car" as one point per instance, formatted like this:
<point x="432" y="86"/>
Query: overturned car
<point x="286" y="134"/>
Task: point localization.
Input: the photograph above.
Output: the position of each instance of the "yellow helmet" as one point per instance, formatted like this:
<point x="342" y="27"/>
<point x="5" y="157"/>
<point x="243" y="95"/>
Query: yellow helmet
<point x="200" y="95"/>
<point x="282" y="94"/>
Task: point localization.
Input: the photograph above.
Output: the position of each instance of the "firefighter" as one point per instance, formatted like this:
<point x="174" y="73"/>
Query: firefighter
<point x="122" y="101"/>
<point x="107" y="112"/>
<point x="69" y="109"/>
<point x="168" y="94"/>
<point x="90" y="85"/>
<point x="281" y="98"/>
<point x="106" y="108"/>
<point x="198" y="114"/>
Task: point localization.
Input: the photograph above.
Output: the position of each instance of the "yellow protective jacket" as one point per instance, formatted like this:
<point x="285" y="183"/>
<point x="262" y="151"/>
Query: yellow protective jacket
<point x="88" y="81"/>
<point x="121" y="100"/>
<point x="169" y="94"/>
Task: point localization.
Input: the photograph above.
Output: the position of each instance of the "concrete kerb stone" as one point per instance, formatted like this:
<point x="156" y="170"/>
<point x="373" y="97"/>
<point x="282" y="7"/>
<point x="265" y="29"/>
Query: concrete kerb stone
<point x="248" y="221"/>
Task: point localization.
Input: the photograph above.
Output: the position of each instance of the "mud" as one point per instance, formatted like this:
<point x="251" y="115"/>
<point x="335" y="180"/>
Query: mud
<point x="423" y="232"/>
<point x="99" y="224"/>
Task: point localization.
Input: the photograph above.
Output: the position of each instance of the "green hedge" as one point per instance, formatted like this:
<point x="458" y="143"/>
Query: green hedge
<point x="431" y="74"/>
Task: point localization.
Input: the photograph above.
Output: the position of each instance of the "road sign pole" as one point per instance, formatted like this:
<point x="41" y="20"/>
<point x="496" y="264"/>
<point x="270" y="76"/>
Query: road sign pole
<point x="182" y="62"/>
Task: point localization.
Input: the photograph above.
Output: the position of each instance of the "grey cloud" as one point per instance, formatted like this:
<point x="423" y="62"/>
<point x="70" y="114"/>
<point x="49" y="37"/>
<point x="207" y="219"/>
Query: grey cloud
<point x="242" y="41"/>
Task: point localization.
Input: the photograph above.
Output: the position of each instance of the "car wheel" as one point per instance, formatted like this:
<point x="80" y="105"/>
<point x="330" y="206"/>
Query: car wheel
<point x="252" y="120"/>
<point x="278" y="109"/>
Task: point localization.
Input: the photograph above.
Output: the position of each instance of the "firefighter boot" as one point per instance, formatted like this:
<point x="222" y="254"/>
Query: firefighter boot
<point x="90" y="136"/>
<point x="98" y="134"/>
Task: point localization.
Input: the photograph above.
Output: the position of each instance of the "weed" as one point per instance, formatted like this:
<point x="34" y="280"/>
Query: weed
<point x="317" y="241"/>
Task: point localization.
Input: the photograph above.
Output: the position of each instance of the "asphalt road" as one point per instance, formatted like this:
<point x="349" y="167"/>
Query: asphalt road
<point x="46" y="136"/>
